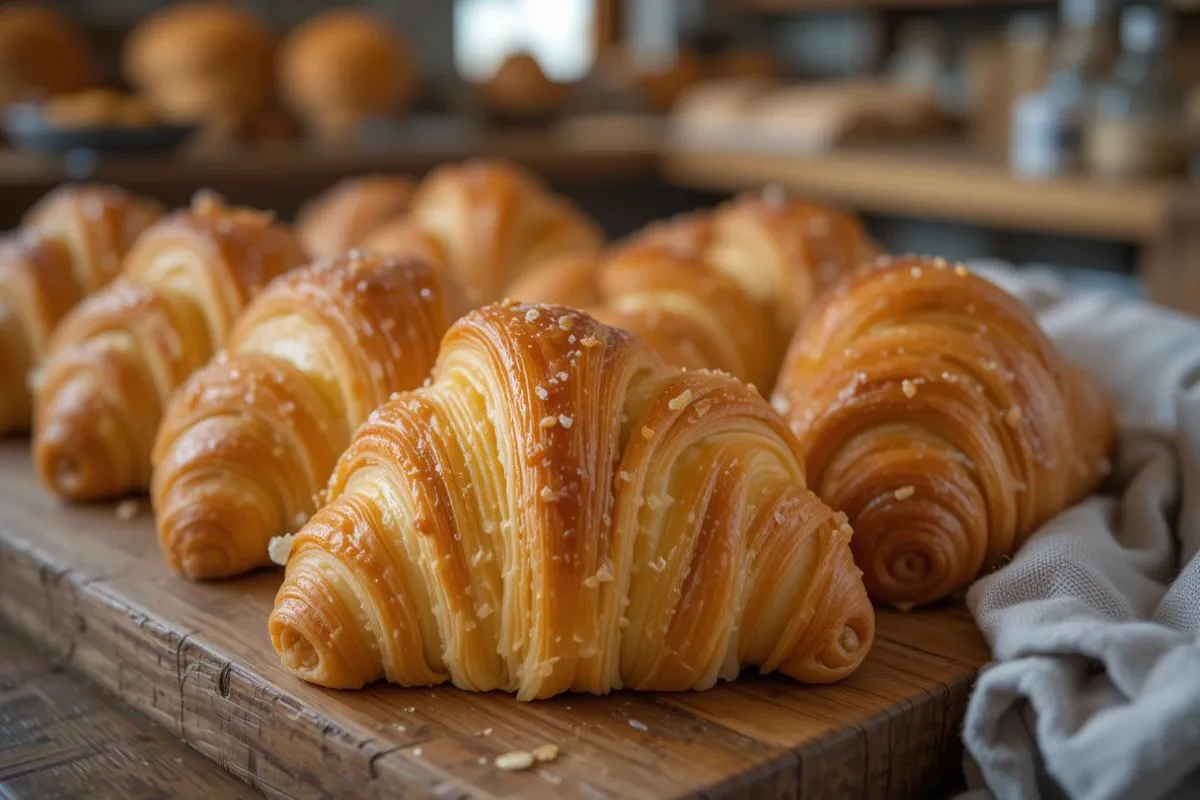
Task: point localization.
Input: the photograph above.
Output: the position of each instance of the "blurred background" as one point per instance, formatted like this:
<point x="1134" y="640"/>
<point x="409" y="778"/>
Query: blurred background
<point x="1050" y="133"/>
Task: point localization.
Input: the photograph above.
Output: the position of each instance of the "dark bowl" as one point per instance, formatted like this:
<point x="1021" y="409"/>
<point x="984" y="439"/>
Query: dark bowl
<point x="27" y="129"/>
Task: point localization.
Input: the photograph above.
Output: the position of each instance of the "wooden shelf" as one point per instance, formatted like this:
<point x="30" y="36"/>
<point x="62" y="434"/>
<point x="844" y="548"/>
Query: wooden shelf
<point x="801" y="6"/>
<point x="943" y="183"/>
<point x="562" y="153"/>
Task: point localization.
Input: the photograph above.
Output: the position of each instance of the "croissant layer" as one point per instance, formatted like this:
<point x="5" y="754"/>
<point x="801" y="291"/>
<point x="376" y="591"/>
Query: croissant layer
<point x="935" y="413"/>
<point x="721" y="289"/>
<point x="100" y="393"/>
<point x="250" y="440"/>
<point x="487" y="223"/>
<point x="69" y="245"/>
<point x="560" y="511"/>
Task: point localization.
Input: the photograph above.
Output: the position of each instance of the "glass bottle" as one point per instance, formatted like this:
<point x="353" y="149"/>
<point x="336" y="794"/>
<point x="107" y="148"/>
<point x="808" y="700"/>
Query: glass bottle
<point x="1048" y="125"/>
<point x="1139" y="126"/>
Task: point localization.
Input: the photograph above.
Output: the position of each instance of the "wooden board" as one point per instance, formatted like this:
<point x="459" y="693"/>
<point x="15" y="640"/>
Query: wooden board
<point x="59" y="737"/>
<point x="197" y="660"/>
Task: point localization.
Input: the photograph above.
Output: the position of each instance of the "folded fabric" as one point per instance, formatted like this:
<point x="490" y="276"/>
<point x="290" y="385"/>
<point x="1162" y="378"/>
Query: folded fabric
<point x="1095" y="687"/>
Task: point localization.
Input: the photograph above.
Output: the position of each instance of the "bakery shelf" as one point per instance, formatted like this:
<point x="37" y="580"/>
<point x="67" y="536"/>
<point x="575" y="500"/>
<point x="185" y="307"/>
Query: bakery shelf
<point x="938" y="182"/>
<point x="800" y="6"/>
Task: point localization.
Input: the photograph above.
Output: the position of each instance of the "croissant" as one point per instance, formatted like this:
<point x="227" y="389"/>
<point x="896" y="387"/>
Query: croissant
<point x="100" y="392"/>
<point x="722" y="289"/>
<point x="70" y="244"/>
<point x="344" y="215"/>
<point x="561" y="511"/>
<point x="487" y="223"/>
<point x="249" y="440"/>
<point x="933" y="411"/>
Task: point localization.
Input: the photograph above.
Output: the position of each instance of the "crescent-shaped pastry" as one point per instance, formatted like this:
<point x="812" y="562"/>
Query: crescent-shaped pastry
<point x="936" y="414"/>
<point x="487" y="223"/>
<point x="250" y="440"/>
<point x="69" y="245"/>
<point x="721" y="289"/>
<point x="560" y="511"/>
<point x="115" y="359"/>
<point x="343" y="216"/>
<point x="202" y="61"/>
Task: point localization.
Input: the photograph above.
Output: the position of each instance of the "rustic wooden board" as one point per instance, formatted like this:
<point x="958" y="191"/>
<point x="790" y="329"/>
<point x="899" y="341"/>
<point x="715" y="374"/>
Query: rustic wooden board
<point x="197" y="660"/>
<point x="59" y="737"/>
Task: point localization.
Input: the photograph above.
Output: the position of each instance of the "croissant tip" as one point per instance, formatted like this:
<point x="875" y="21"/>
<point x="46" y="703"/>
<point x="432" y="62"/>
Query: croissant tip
<point x="203" y="562"/>
<point x="67" y="463"/>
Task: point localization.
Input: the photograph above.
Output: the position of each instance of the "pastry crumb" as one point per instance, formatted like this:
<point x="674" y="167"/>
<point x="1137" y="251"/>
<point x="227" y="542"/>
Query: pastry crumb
<point x="515" y="761"/>
<point x="280" y="547"/>
<point x="1013" y="416"/>
<point x="680" y="400"/>
<point x="589" y="341"/>
<point x="531" y="315"/>
<point x="904" y="492"/>
<point x="647" y="433"/>
<point x="638" y="725"/>
<point x="128" y="509"/>
<point x="566" y="323"/>
<point x="548" y="422"/>
<point x="909" y="388"/>
<point x="546" y="753"/>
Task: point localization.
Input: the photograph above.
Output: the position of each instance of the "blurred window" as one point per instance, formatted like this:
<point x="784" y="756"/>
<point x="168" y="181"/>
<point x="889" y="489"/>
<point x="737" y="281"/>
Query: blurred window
<point x="557" y="32"/>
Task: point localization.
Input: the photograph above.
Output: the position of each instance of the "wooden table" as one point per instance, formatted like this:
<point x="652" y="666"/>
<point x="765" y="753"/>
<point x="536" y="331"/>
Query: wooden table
<point x="60" y="737"/>
<point x="92" y="587"/>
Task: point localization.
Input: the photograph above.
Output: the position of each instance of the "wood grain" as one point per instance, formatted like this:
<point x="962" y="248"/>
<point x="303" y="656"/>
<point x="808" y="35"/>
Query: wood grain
<point x="196" y="659"/>
<point x="60" y="738"/>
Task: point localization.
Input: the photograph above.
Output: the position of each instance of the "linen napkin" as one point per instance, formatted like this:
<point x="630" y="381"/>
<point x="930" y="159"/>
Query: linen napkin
<point x="1095" y="687"/>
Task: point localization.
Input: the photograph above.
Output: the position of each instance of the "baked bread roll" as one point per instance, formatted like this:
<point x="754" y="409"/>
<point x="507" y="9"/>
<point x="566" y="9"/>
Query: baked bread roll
<point x="42" y="53"/>
<point x="97" y="108"/>
<point x="722" y="290"/>
<point x="343" y="216"/>
<point x="69" y="245"/>
<point x="249" y="441"/>
<point x="116" y="358"/>
<point x="204" y="61"/>
<point x="487" y="223"/>
<point x="560" y="511"/>
<point x="934" y="412"/>
<point x="342" y="68"/>
<point x="520" y="91"/>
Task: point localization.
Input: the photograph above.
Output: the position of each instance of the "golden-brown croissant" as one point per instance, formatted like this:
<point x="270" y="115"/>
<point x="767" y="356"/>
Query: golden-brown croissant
<point x="936" y="414"/>
<point x="249" y="441"/>
<point x="722" y="289"/>
<point x="561" y="511"/>
<point x="487" y="223"/>
<point x="343" y="216"/>
<point x="70" y="244"/>
<point x="692" y="315"/>
<point x="115" y="359"/>
<point x="202" y="61"/>
<point x="343" y="67"/>
<point x="42" y="53"/>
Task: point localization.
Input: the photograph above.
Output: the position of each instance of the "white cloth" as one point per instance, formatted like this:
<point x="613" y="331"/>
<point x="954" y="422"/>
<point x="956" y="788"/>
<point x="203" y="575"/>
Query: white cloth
<point x="1095" y="687"/>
